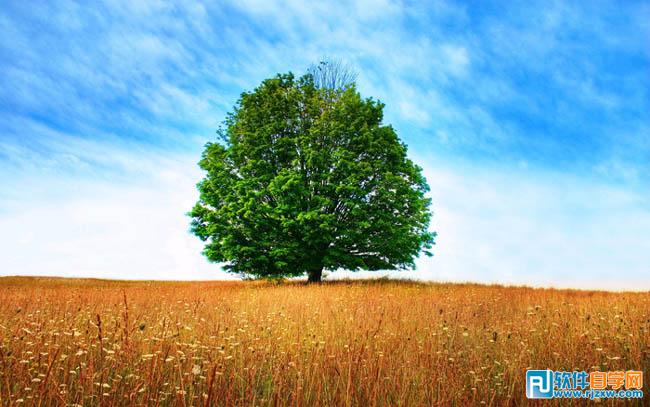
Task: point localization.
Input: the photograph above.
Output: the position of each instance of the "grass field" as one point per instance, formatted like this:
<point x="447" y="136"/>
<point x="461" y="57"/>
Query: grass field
<point x="92" y="342"/>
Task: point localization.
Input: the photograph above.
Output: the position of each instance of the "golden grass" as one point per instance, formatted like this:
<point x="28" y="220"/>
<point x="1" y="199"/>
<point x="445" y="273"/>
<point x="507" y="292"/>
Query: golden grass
<point x="92" y="342"/>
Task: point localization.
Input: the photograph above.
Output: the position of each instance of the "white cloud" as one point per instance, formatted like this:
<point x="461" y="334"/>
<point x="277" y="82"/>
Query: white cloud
<point x="128" y="230"/>
<point x="414" y="112"/>
<point x="456" y="57"/>
<point x="544" y="229"/>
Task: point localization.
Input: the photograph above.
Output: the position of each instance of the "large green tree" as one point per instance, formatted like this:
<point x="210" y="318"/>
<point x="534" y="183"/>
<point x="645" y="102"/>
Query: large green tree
<point x="307" y="178"/>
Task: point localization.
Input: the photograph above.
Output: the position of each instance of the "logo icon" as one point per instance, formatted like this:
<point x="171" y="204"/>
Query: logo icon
<point x="539" y="384"/>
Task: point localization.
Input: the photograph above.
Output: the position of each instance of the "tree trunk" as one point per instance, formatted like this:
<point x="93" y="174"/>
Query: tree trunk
<point x="314" y="275"/>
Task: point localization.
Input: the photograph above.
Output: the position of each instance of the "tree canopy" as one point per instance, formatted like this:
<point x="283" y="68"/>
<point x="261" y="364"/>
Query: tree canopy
<point x="307" y="178"/>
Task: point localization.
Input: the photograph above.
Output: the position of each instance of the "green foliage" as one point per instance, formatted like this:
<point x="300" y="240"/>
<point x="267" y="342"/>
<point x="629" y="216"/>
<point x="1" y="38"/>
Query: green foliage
<point x="306" y="179"/>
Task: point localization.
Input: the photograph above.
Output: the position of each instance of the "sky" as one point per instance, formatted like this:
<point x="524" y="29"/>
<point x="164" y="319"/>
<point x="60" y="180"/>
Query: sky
<point x="531" y="121"/>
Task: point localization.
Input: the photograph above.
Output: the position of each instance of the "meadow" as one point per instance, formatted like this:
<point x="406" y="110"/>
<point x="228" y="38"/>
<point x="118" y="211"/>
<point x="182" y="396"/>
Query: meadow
<point x="362" y="343"/>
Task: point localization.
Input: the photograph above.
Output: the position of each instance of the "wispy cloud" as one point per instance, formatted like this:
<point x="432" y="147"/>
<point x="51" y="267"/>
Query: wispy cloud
<point x="104" y="110"/>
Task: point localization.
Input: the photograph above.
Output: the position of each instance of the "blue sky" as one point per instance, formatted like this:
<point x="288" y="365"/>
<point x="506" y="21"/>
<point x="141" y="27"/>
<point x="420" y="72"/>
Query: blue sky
<point x="531" y="121"/>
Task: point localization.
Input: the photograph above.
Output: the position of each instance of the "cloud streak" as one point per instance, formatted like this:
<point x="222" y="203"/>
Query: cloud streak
<point x="532" y="122"/>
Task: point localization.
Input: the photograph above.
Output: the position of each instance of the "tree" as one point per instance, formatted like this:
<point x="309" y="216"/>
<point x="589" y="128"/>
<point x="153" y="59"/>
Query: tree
<point x="307" y="178"/>
<point x="332" y="74"/>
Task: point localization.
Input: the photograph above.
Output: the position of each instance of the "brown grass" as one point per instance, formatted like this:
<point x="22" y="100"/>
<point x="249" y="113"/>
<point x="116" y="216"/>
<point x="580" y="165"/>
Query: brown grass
<point x="92" y="342"/>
